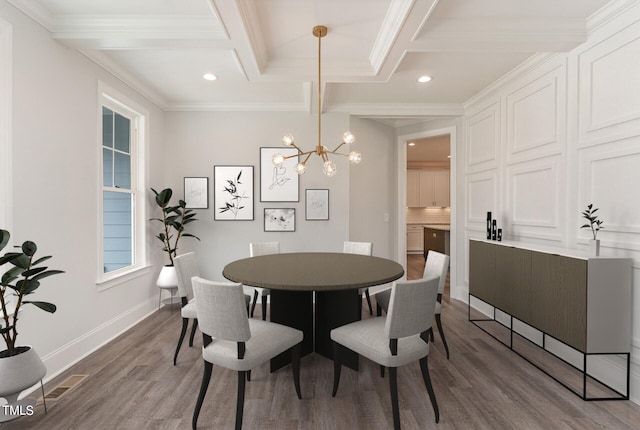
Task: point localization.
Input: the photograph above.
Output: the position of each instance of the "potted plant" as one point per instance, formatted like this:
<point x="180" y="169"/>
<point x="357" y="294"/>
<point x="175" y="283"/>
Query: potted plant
<point x="20" y="366"/>
<point x="595" y="225"/>
<point x="174" y="219"/>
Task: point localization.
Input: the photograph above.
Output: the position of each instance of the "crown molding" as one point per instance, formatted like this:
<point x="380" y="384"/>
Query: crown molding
<point x="386" y="110"/>
<point x="391" y="26"/>
<point x="608" y="12"/>
<point x="34" y="11"/>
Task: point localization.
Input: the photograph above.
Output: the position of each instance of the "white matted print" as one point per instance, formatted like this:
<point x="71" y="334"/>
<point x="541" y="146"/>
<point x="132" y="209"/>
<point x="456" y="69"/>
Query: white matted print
<point x="279" y="183"/>
<point x="278" y="219"/>
<point x="317" y="208"/>
<point x="196" y="193"/>
<point x="233" y="193"/>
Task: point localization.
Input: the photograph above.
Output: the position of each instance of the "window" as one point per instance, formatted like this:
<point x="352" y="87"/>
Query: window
<point x="122" y="190"/>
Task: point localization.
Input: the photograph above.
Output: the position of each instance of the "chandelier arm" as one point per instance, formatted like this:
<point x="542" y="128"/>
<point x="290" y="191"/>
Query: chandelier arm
<point x="300" y="154"/>
<point x="336" y="148"/>
<point x="307" y="157"/>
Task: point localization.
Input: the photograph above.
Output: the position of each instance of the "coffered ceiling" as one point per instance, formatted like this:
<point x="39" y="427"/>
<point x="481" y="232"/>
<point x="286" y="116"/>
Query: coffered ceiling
<point x="265" y="56"/>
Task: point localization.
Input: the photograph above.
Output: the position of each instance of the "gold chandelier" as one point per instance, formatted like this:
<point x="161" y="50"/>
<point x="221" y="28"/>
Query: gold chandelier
<point x="329" y="167"/>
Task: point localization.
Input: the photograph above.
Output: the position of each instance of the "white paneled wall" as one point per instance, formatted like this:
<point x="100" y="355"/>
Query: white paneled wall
<point x="559" y="133"/>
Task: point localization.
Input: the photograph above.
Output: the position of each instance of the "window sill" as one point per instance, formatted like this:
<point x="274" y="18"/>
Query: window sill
<point x="110" y="281"/>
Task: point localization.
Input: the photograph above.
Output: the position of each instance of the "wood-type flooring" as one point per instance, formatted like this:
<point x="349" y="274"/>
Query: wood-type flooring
<point x="132" y="384"/>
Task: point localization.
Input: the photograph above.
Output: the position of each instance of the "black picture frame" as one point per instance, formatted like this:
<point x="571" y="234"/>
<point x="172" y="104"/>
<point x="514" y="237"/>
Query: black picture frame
<point x="233" y="193"/>
<point x="279" y="184"/>
<point x="280" y="219"/>
<point x="196" y="192"/>
<point x="317" y="204"/>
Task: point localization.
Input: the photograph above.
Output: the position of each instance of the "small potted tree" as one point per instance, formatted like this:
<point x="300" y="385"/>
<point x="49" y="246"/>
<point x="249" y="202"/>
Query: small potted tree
<point x="20" y="366"/>
<point x="174" y="219"/>
<point x="595" y="225"/>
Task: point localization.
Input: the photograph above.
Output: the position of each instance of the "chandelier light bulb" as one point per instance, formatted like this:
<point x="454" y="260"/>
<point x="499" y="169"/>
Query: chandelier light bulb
<point x="277" y="159"/>
<point x="287" y="139"/>
<point x="301" y="168"/>
<point x="348" y="137"/>
<point x="355" y="157"/>
<point x="329" y="168"/>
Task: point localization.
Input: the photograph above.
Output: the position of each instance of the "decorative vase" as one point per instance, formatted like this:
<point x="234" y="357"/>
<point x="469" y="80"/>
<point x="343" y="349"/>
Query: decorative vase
<point x="17" y="373"/>
<point x="168" y="280"/>
<point x="594" y="247"/>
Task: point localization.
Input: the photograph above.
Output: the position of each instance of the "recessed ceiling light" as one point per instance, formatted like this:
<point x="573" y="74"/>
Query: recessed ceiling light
<point x="412" y="144"/>
<point x="424" y="78"/>
<point x="210" y="76"/>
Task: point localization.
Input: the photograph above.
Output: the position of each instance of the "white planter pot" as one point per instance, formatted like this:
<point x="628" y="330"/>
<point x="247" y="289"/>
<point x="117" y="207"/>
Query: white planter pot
<point x="594" y="247"/>
<point x="17" y="373"/>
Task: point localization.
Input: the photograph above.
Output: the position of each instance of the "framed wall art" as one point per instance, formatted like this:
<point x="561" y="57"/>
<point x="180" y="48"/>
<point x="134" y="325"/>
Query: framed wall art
<point x="196" y="192"/>
<point x="279" y="183"/>
<point x="317" y="205"/>
<point x="279" y="219"/>
<point x="233" y="193"/>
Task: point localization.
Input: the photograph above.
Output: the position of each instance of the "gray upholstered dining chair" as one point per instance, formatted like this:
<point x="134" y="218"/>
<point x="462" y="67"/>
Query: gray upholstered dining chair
<point x="363" y="248"/>
<point x="255" y="249"/>
<point x="236" y="342"/>
<point x="398" y="339"/>
<point x="186" y="268"/>
<point x="436" y="264"/>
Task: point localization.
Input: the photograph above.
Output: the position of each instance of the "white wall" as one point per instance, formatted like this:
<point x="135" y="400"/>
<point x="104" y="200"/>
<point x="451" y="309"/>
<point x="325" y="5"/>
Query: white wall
<point x="561" y="132"/>
<point x="55" y="192"/>
<point x="195" y="142"/>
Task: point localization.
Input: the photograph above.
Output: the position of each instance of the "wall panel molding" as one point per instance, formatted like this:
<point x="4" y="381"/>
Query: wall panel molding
<point x="536" y="117"/>
<point x="535" y="192"/>
<point x="482" y="196"/>
<point x="609" y="175"/>
<point x="483" y="139"/>
<point x="608" y="87"/>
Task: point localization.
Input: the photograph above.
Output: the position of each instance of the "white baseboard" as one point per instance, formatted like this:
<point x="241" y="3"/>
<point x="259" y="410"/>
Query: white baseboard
<point x="67" y="355"/>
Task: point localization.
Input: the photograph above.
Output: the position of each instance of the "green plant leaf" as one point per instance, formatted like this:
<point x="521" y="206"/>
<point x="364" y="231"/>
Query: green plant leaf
<point x="8" y="257"/>
<point x="28" y="286"/>
<point x="47" y="274"/>
<point x="33" y="271"/>
<point x="11" y="275"/>
<point x="4" y="238"/>
<point x="21" y="261"/>
<point x="29" y="248"/>
<point x="163" y="197"/>
<point x="40" y="260"/>
<point x="190" y="235"/>
<point x="49" y="307"/>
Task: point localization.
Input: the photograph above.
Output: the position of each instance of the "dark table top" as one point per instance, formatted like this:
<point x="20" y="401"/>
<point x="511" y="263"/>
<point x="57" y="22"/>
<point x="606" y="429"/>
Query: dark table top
<point x="313" y="271"/>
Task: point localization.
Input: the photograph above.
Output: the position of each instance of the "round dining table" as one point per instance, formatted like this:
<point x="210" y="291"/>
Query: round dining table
<point x="334" y="277"/>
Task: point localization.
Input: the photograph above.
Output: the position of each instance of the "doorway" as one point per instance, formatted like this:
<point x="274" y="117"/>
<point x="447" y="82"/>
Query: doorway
<point x="405" y="216"/>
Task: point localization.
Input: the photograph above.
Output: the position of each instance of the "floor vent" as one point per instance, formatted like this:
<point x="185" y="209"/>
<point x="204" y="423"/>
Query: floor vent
<point x="64" y="387"/>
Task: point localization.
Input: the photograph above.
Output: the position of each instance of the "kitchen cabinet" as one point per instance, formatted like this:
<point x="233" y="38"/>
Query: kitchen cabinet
<point x="414" y="238"/>
<point x="428" y="188"/>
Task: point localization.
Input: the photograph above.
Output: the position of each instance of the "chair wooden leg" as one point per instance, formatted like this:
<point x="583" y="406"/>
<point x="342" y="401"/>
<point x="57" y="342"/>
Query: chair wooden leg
<point x="381" y="371"/>
<point x="431" y="339"/>
<point x="249" y="376"/>
<point x="264" y="308"/>
<point x="194" y="326"/>
<point x="295" y="362"/>
<point x="444" y="341"/>
<point x="427" y="382"/>
<point x="366" y="293"/>
<point x="185" y="323"/>
<point x="336" y="368"/>
<point x="240" y="401"/>
<point x="393" y="387"/>
<point x="255" y="299"/>
<point x="203" y="391"/>
<point x="378" y="310"/>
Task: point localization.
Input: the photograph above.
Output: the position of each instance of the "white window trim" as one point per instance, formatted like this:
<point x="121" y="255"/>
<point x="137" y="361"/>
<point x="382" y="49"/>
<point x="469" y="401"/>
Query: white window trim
<point x="113" y="99"/>
<point x="6" y="106"/>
